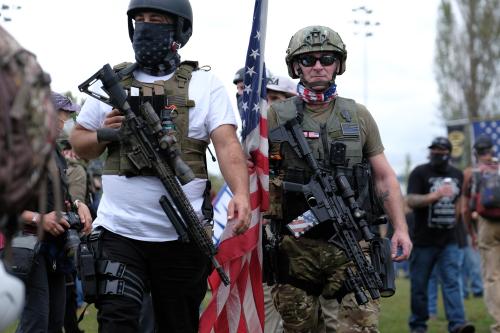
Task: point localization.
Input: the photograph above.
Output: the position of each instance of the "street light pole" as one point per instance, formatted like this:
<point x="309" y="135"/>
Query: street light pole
<point x="365" y="24"/>
<point x="365" y="71"/>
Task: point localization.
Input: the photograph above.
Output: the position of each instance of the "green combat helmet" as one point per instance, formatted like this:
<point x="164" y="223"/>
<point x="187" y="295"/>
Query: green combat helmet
<point x="315" y="39"/>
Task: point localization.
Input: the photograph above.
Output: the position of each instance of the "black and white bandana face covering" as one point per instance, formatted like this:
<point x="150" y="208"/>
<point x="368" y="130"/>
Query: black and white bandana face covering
<point x="155" y="48"/>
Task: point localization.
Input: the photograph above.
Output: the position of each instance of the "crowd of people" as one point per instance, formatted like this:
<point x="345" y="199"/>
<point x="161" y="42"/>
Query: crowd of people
<point x="95" y="219"/>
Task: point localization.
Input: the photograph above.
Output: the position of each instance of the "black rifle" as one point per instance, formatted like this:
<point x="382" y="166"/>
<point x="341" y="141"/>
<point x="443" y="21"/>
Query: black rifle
<point x="151" y="147"/>
<point x="325" y="196"/>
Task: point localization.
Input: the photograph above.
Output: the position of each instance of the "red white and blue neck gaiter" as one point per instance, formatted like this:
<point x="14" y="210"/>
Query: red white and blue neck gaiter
<point x="311" y="97"/>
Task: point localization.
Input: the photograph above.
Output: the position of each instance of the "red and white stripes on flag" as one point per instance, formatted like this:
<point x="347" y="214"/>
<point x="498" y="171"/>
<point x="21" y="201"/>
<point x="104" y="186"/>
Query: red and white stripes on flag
<point x="239" y="307"/>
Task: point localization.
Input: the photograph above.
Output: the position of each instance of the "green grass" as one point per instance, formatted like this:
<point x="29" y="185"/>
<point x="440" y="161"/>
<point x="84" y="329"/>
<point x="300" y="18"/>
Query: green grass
<point x="393" y="319"/>
<point x="396" y="310"/>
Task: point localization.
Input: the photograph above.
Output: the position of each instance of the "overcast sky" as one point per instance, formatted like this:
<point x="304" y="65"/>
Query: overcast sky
<point x="73" y="39"/>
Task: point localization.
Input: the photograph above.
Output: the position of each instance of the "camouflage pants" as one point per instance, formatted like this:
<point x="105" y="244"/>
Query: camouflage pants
<point x="489" y="248"/>
<point x="319" y="263"/>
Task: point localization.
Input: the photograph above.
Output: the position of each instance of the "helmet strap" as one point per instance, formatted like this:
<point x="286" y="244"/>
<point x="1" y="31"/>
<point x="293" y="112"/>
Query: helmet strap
<point x="178" y="32"/>
<point x="130" y="28"/>
<point x="317" y="85"/>
<point x="314" y="85"/>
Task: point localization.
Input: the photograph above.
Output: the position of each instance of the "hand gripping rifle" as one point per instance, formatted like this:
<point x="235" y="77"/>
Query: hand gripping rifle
<point x="152" y="145"/>
<point x="327" y="198"/>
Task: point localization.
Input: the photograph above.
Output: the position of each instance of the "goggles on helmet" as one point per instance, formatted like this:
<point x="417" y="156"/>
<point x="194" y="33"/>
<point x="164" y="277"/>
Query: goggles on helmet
<point x="309" y="60"/>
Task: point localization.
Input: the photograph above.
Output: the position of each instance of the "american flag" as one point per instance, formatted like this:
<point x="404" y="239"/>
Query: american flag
<point x="302" y="223"/>
<point x="491" y="128"/>
<point x="239" y="307"/>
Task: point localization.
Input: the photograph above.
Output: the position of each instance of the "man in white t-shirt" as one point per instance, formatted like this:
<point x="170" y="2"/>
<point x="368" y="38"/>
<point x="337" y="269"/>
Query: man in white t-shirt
<point x="137" y="233"/>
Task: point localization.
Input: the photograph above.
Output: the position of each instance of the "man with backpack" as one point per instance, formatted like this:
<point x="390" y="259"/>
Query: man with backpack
<point x="481" y="209"/>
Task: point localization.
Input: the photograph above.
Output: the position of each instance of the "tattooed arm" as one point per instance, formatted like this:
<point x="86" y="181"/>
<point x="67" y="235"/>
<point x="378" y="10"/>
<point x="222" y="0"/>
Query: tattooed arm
<point x="388" y="188"/>
<point x="423" y="200"/>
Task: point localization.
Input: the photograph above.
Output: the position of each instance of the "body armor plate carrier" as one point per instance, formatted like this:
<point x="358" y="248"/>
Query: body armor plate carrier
<point x="173" y="94"/>
<point x="342" y="126"/>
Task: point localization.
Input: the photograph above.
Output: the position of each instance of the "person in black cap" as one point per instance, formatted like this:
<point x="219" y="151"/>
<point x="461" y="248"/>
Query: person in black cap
<point x="239" y="76"/>
<point x="238" y="79"/>
<point x="483" y="225"/>
<point x="433" y="192"/>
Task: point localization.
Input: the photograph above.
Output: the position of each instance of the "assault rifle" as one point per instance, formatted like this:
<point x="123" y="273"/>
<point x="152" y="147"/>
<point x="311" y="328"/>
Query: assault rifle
<point x="151" y="146"/>
<point x="327" y="199"/>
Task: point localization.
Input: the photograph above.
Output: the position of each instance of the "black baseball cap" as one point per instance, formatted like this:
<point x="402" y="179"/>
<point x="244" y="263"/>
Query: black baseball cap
<point x="239" y="75"/>
<point x="483" y="142"/>
<point x="441" y="143"/>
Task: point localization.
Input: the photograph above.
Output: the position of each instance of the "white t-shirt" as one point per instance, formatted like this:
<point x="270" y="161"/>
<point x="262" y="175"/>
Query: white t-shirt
<point x="130" y="206"/>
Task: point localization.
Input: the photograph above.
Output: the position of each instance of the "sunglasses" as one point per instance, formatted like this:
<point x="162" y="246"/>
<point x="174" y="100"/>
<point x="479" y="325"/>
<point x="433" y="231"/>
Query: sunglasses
<point x="309" y="60"/>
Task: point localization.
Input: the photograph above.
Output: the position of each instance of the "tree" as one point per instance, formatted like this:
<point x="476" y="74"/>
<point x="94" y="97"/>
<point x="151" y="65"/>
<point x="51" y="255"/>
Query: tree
<point x="467" y="58"/>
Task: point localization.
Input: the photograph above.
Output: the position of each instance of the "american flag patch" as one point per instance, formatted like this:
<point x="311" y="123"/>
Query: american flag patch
<point x="350" y="130"/>
<point x="311" y="135"/>
<point x="302" y="223"/>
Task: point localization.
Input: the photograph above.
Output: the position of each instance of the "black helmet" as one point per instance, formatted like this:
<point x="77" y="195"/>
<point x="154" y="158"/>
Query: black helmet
<point x="239" y="75"/>
<point x="483" y="142"/>
<point x="441" y="142"/>
<point x="180" y="8"/>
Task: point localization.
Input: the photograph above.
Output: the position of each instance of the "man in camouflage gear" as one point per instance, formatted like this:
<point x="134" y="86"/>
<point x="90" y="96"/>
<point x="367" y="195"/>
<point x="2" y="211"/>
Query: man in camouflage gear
<point x="310" y="266"/>
<point x="27" y="124"/>
<point x="27" y="134"/>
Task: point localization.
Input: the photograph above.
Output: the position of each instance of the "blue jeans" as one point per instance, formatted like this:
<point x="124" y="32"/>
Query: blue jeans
<point x="471" y="272"/>
<point x="403" y="265"/>
<point x="79" y="292"/>
<point x="432" y="292"/>
<point x="447" y="261"/>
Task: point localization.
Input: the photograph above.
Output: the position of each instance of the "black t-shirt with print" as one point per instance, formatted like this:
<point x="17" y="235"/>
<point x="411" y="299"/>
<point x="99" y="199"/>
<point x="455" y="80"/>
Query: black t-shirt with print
<point x="435" y="224"/>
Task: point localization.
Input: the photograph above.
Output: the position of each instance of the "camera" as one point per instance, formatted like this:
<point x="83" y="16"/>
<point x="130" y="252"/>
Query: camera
<point x="72" y="234"/>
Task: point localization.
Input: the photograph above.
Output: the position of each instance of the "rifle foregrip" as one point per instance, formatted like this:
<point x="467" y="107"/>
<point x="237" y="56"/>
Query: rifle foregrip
<point x="108" y="135"/>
